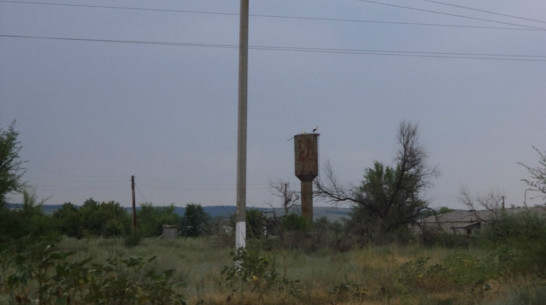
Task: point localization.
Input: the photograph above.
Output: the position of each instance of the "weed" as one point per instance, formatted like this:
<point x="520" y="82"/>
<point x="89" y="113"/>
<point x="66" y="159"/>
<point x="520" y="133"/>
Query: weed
<point x="46" y="276"/>
<point x="349" y="291"/>
<point x="253" y="273"/>
<point x="528" y="295"/>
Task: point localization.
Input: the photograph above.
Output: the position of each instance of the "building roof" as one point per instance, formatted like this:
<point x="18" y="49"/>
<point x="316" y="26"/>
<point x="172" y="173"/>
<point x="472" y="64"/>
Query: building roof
<point x="473" y="216"/>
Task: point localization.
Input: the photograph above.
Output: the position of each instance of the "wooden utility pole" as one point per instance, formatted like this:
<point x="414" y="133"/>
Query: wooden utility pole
<point x="240" y="228"/>
<point x="133" y="200"/>
<point x="286" y="199"/>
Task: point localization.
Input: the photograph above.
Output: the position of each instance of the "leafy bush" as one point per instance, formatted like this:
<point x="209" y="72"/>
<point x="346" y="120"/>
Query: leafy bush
<point x="294" y="222"/>
<point x="523" y="233"/>
<point x="68" y="220"/>
<point x="254" y="273"/>
<point x="106" y="219"/>
<point x="45" y="276"/>
<point x="134" y="238"/>
<point x="528" y="295"/>
<point x="256" y="224"/>
<point x="195" y="222"/>
<point x="458" y="271"/>
<point x="443" y="239"/>
<point x="348" y="291"/>
<point x="27" y="226"/>
<point x="151" y="219"/>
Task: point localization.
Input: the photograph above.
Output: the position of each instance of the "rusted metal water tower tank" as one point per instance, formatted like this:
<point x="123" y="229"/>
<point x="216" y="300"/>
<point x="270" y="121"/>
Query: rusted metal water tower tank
<point x="306" y="165"/>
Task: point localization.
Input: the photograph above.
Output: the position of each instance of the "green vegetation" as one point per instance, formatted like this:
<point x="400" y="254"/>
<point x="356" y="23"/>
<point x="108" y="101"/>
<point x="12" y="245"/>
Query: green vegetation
<point x="197" y="271"/>
<point x="42" y="274"/>
<point x="256" y="223"/>
<point x="195" y="222"/>
<point x="537" y="175"/>
<point x="310" y="265"/>
<point x="389" y="198"/>
<point x="11" y="167"/>
<point x="319" y="264"/>
<point x="26" y="226"/>
<point x="151" y="219"/>
<point x="92" y="255"/>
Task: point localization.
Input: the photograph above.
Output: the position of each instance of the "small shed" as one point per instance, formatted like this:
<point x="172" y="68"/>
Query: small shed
<point x="169" y="232"/>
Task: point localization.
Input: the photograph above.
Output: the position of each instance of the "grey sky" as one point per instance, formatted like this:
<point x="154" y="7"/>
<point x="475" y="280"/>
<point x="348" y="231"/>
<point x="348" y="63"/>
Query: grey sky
<point x="93" y="113"/>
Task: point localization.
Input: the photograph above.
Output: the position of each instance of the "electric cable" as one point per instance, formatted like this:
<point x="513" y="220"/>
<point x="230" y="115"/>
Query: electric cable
<point x="449" y="14"/>
<point x="485" y="11"/>
<point x="454" y="55"/>
<point x="520" y="27"/>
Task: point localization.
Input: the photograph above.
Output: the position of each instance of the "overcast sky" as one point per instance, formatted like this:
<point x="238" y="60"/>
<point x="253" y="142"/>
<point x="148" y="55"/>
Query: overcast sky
<point x="102" y="90"/>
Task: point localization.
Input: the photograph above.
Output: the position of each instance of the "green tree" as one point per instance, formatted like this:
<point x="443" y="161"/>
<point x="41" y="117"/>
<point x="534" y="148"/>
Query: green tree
<point x="389" y="197"/>
<point x="444" y="210"/>
<point x="151" y="219"/>
<point x="431" y="212"/>
<point x="68" y="220"/>
<point x="195" y="221"/>
<point x="28" y="225"/>
<point x="11" y="166"/>
<point x="106" y="219"/>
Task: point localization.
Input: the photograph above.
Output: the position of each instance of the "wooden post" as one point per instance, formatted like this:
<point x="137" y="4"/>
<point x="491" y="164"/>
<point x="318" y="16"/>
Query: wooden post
<point x="133" y="201"/>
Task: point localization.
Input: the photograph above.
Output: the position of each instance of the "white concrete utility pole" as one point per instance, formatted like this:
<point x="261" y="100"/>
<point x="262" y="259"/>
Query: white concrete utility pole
<point x="240" y="227"/>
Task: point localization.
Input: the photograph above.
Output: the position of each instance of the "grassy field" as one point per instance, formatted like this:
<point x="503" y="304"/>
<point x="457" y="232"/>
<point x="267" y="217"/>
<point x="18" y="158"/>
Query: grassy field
<point x="410" y="274"/>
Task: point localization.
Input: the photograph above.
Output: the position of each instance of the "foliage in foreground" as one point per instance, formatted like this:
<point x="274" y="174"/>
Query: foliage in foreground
<point x="254" y="273"/>
<point x="523" y="234"/>
<point x="43" y="275"/>
<point x="395" y="274"/>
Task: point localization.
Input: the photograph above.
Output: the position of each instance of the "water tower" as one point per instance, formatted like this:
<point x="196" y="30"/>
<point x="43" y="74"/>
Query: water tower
<point x="306" y="161"/>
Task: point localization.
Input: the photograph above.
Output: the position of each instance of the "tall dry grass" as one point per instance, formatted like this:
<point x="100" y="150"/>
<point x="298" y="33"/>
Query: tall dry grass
<point x="404" y="275"/>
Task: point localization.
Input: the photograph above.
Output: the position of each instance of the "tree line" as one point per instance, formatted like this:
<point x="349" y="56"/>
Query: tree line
<point x="385" y="204"/>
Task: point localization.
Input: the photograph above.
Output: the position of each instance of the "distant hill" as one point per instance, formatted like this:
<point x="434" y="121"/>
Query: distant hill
<point x="331" y="213"/>
<point x="48" y="209"/>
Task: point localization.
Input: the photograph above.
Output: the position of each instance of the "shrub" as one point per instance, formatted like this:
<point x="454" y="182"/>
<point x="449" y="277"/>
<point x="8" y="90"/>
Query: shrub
<point x="524" y="233"/>
<point x="256" y="223"/>
<point x="133" y="238"/>
<point x="294" y="222"/>
<point x="252" y="272"/>
<point x="528" y="295"/>
<point x="457" y="271"/>
<point x="45" y="276"/>
<point x="195" y="222"/>
<point x="27" y="226"/>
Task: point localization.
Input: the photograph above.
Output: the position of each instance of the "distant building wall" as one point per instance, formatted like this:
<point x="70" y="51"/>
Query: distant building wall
<point x="169" y="232"/>
<point x="464" y="222"/>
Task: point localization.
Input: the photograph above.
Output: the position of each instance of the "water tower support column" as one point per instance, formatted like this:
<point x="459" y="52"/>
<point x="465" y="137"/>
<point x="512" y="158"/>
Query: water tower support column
<point x="307" y="200"/>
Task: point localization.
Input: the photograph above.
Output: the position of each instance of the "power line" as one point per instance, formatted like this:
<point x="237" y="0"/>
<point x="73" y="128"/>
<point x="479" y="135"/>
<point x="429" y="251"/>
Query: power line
<point x="520" y="27"/>
<point x="450" y="14"/>
<point x="142" y="42"/>
<point x="485" y="11"/>
<point x="405" y="53"/>
<point x="118" y="7"/>
<point x="141" y="194"/>
<point x="425" y="54"/>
